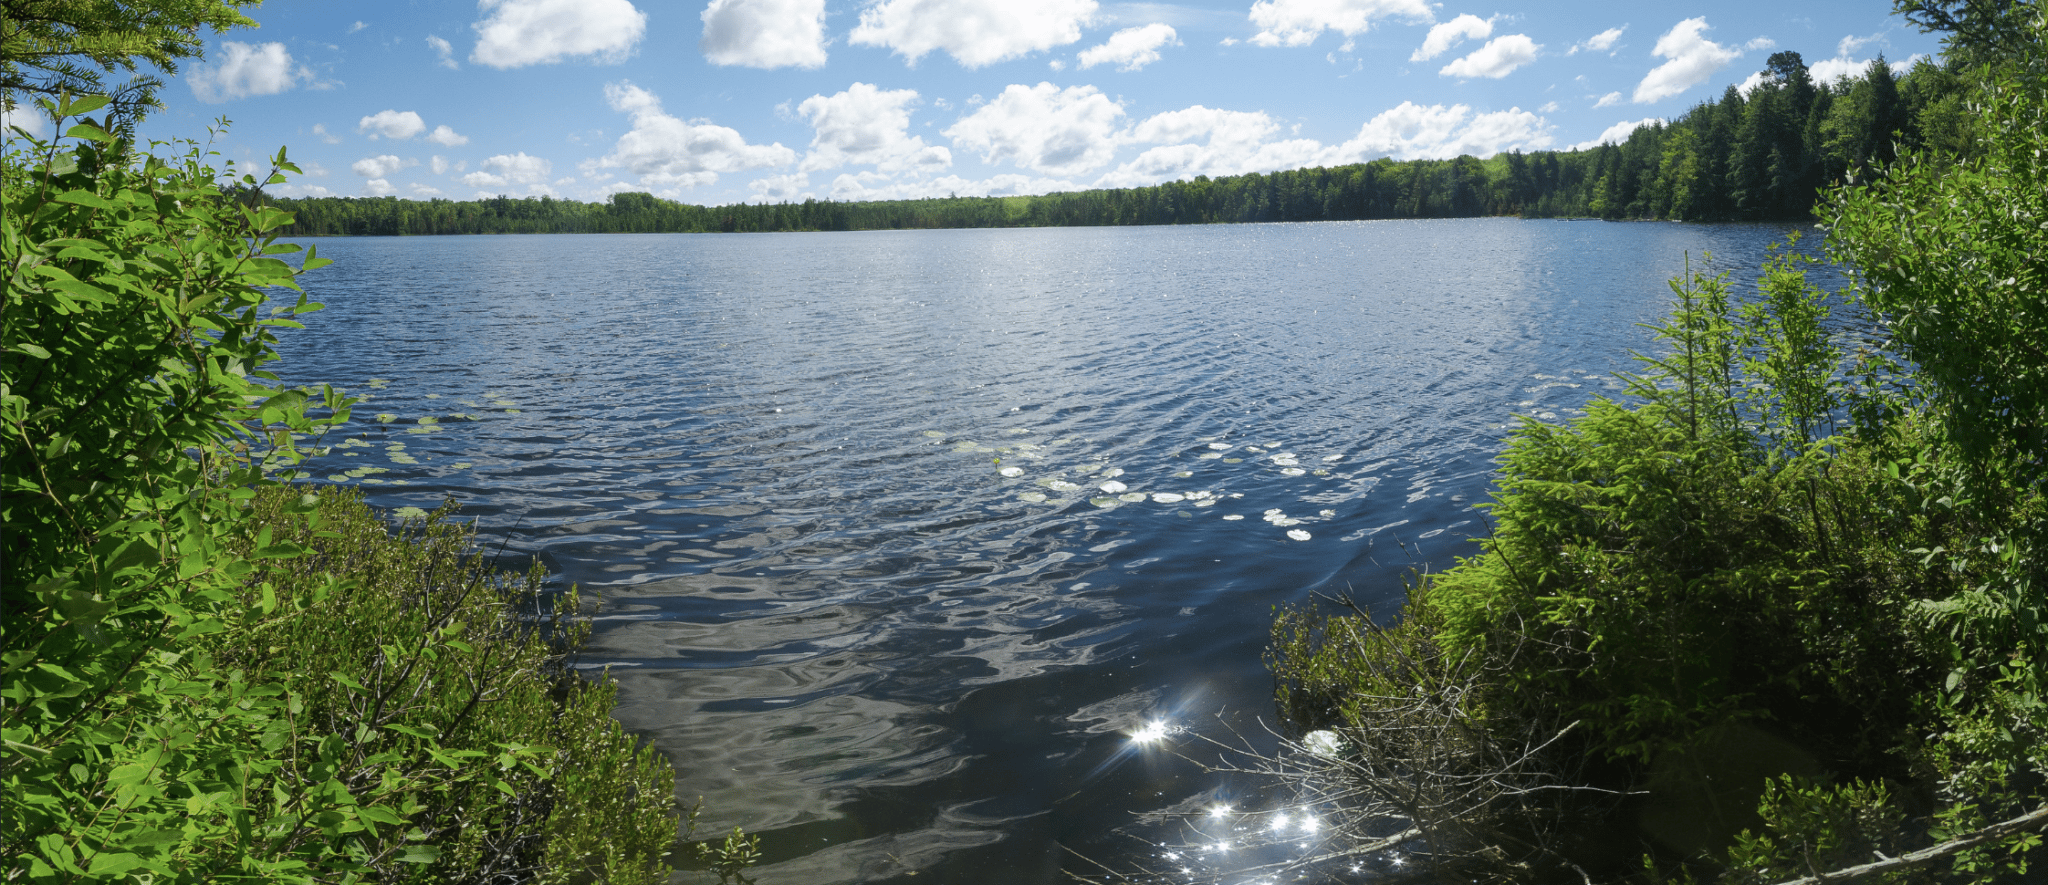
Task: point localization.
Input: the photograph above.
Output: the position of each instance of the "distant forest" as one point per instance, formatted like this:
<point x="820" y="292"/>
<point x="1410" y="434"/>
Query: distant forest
<point x="1756" y="156"/>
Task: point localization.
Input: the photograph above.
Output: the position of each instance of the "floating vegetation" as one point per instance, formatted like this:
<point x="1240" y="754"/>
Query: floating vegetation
<point x="1329" y="458"/>
<point x="429" y="419"/>
<point x="1131" y="497"/>
<point x="461" y="465"/>
<point x="1209" y="456"/>
<point x="1168" y="497"/>
<point x="1060" y="485"/>
<point x="425" y="428"/>
<point x="1292" y="471"/>
<point x="1113" y="487"/>
<point x="935" y="434"/>
<point x="386" y="417"/>
<point x="1221" y="447"/>
<point x="433" y="396"/>
<point x="1233" y="460"/>
<point x="1012" y="471"/>
<point x="1184" y="474"/>
<point x="1103" y="501"/>
<point x="409" y="513"/>
<point x="1298" y="534"/>
<point x="1233" y="517"/>
<point x="511" y="411"/>
<point x="503" y="403"/>
<point x="378" y="383"/>
<point x="403" y="458"/>
<point x="1031" y="497"/>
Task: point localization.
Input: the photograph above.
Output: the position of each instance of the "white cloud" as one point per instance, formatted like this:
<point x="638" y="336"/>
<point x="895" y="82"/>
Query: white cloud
<point x="764" y="33"/>
<point x="446" y="137"/>
<point x="399" y="125"/>
<point x="1692" y="59"/>
<point x="1616" y="133"/>
<point x="444" y="49"/>
<point x="1411" y="131"/>
<point x="1497" y="59"/>
<point x="1550" y="107"/>
<point x="1608" y="100"/>
<point x="780" y="188"/>
<point x="439" y="164"/>
<point x="531" y="32"/>
<point x="672" y="153"/>
<point x="1130" y="48"/>
<point x="866" y="125"/>
<point x="1043" y="128"/>
<point x="320" y="129"/>
<point x="1601" y="42"/>
<point x="245" y="70"/>
<point x="512" y="169"/>
<point x="28" y="118"/>
<point x="313" y="169"/>
<point x="1747" y="86"/>
<point x="1300" y="22"/>
<point x="1759" y="43"/>
<point x="1845" y="64"/>
<point x="378" y="187"/>
<point x="876" y="186"/>
<point x="1233" y="143"/>
<point x="357" y="27"/>
<point x="381" y="166"/>
<point x="1445" y="35"/>
<point x="300" y="190"/>
<point x="974" y="32"/>
<point x="421" y="190"/>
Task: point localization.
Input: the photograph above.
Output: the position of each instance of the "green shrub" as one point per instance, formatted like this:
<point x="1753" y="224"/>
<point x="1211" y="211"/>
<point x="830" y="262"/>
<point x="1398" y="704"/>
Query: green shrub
<point x="181" y="705"/>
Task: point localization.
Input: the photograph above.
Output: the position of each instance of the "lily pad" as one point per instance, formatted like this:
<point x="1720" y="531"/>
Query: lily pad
<point x="1131" y="497"/>
<point x="433" y="396"/>
<point x="1233" y="460"/>
<point x="1012" y="471"/>
<point x="1328" y="458"/>
<point x="1061" y="485"/>
<point x="1103" y="501"/>
<point x="1298" y="534"/>
<point x="409" y="513"/>
<point x="1184" y="474"/>
<point x="934" y="434"/>
<point x="1113" y="487"/>
<point x="1206" y="502"/>
<point x="339" y="477"/>
<point x="1221" y="447"/>
<point x="1031" y="497"/>
<point x="1168" y="497"/>
<point x="1208" y="456"/>
<point x="1292" y="471"/>
<point x="1233" y="517"/>
<point x="386" y="417"/>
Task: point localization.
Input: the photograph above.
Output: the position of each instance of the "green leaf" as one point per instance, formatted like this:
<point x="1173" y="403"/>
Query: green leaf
<point x="113" y="864"/>
<point x="84" y="198"/>
<point x="420" y="854"/>
<point x="32" y="350"/>
<point x="81" y="105"/>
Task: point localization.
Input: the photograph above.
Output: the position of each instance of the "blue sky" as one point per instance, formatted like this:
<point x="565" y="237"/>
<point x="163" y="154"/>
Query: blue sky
<point x="749" y="100"/>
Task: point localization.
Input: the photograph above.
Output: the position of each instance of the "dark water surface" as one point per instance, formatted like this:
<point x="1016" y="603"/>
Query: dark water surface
<point x="784" y="462"/>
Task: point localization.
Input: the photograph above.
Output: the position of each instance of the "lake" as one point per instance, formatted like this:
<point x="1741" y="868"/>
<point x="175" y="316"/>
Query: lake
<point x="900" y="536"/>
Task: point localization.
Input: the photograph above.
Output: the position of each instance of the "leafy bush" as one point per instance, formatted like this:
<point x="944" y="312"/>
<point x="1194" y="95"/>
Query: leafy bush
<point x="180" y="703"/>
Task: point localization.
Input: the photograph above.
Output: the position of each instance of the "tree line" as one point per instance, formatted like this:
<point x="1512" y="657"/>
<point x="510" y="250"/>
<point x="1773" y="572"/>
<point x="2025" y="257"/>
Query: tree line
<point x="1764" y="154"/>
